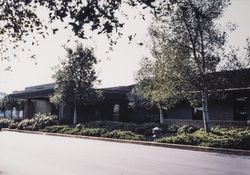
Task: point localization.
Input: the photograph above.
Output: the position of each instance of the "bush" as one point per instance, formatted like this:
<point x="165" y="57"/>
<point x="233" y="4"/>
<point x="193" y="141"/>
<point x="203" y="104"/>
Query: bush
<point x="187" y="129"/>
<point x="179" y="139"/>
<point x="38" y="122"/>
<point x="173" y="129"/>
<point x="97" y="132"/>
<point x="219" y="137"/>
<point x="111" y="125"/>
<point x="142" y="129"/>
<point x="56" y="128"/>
<point x="4" y="123"/>
<point x="13" y="125"/>
<point x="127" y="135"/>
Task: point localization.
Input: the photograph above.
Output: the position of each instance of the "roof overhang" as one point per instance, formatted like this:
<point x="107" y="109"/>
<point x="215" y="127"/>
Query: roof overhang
<point x="39" y="94"/>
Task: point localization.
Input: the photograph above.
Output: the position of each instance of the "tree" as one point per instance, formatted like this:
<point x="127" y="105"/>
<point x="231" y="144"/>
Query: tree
<point x="75" y="79"/>
<point x="160" y="81"/>
<point x="20" y="18"/>
<point x="9" y="104"/>
<point x="190" y="25"/>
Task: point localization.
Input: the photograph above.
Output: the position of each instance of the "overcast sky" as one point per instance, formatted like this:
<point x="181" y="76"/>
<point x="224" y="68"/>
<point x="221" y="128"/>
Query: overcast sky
<point x="116" y="68"/>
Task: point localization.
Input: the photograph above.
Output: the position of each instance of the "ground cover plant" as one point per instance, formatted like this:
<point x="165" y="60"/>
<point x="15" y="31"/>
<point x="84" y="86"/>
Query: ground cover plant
<point x="234" y="138"/>
<point x="96" y="132"/>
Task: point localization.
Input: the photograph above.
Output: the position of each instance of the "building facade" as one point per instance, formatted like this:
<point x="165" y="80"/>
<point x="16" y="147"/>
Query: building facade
<point x="233" y="108"/>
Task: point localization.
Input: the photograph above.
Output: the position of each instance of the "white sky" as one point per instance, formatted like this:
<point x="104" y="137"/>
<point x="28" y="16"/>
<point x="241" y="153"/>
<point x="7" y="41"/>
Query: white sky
<point x="116" y="68"/>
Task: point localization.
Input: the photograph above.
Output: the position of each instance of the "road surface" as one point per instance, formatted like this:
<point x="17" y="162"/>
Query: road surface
<point x="29" y="154"/>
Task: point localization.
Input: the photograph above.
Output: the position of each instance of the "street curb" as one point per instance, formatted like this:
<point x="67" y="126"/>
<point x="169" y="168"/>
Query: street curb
<point x="165" y="145"/>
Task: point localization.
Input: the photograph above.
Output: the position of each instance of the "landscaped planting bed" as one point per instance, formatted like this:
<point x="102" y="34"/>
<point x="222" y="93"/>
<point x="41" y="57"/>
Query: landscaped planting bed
<point x="234" y="138"/>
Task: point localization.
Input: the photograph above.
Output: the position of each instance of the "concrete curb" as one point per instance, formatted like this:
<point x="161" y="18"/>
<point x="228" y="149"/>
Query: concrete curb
<point x="166" y="145"/>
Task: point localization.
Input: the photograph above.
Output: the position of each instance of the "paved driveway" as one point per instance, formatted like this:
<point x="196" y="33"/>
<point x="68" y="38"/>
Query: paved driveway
<point x="29" y="154"/>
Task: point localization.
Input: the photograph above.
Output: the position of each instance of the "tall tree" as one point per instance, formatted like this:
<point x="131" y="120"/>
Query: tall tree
<point x="191" y="25"/>
<point x="75" y="79"/>
<point x="160" y="81"/>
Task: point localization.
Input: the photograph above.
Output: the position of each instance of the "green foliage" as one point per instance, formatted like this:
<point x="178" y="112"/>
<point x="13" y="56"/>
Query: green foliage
<point x="173" y="129"/>
<point x="127" y="135"/>
<point x="56" y="128"/>
<point x="187" y="129"/>
<point x="179" y="139"/>
<point x="161" y="81"/>
<point x="187" y="45"/>
<point x="75" y="78"/>
<point x="38" y="122"/>
<point x="219" y="137"/>
<point x="111" y="125"/>
<point x="20" y="19"/>
<point x="143" y="129"/>
<point x="97" y="132"/>
<point x="235" y="138"/>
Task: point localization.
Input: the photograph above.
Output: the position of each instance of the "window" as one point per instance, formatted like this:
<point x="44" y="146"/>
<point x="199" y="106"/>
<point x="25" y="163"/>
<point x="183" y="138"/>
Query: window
<point x="116" y="109"/>
<point x="240" y="109"/>
<point x="197" y="113"/>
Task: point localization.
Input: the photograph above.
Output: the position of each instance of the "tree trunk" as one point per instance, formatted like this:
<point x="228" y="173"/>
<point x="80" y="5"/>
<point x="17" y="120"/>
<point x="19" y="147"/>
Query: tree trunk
<point x="205" y="112"/>
<point x="11" y="113"/>
<point x="62" y="111"/>
<point x="75" y="116"/>
<point x="161" y="114"/>
<point x="61" y="108"/>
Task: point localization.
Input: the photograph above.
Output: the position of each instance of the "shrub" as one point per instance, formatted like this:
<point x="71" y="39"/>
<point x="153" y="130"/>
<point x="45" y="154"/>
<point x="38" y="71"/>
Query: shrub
<point x="56" y="128"/>
<point x="38" y="122"/>
<point x="187" y="129"/>
<point x="173" y="129"/>
<point x="219" y="137"/>
<point x="97" y="132"/>
<point x="13" y="125"/>
<point x="127" y="135"/>
<point x="64" y="129"/>
<point x="72" y="131"/>
<point x="142" y="129"/>
<point x="4" y="123"/>
<point x="179" y="139"/>
<point x="111" y="125"/>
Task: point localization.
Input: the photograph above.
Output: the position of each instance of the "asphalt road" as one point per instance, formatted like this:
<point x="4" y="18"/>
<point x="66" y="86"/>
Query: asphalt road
<point x="29" y="154"/>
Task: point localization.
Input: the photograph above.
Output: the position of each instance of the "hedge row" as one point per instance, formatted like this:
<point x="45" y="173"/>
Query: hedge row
<point x="39" y="121"/>
<point x="97" y="132"/>
<point x="219" y="137"/>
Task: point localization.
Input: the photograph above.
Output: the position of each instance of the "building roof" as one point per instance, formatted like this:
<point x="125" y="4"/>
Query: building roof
<point x="229" y="80"/>
<point x="235" y="80"/>
<point x="45" y="90"/>
<point x="35" y="92"/>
